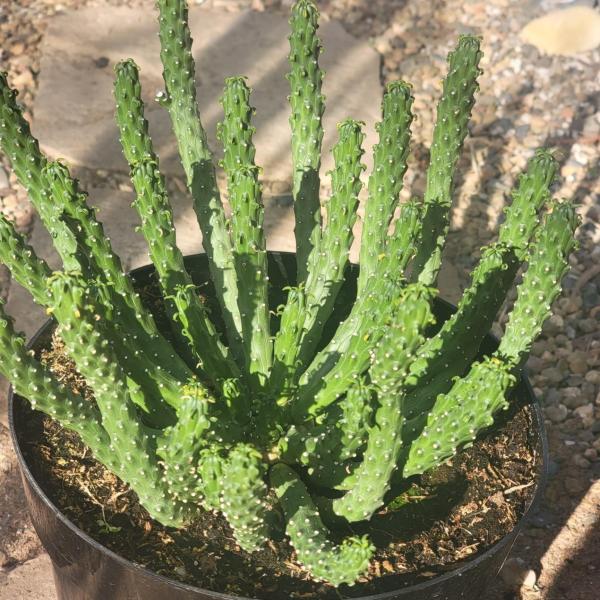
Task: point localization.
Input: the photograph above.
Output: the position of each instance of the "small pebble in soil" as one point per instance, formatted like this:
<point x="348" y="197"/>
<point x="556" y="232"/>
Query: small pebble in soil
<point x="586" y="414"/>
<point x="556" y="413"/>
<point x="3" y="179"/>
<point x="516" y="574"/>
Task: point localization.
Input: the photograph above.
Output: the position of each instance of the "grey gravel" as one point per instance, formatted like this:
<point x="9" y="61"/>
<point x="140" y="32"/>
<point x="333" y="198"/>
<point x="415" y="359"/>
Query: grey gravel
<point x="556" y="413"/>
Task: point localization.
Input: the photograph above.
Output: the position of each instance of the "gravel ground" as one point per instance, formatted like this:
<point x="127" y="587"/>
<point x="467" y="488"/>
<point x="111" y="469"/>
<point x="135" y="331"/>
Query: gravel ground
<point x="526" y="100"/>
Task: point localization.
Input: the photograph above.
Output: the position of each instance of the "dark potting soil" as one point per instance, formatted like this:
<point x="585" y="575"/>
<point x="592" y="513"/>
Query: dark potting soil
<point x="433" y="524"/>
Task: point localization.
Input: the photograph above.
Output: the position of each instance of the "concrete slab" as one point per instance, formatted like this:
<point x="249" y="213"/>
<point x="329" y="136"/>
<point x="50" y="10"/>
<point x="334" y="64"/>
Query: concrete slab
<point x="31" y="581"/>
<point x="565" y="32"/>
<point x="74" y="107"/>
<point x="19" y="542"/>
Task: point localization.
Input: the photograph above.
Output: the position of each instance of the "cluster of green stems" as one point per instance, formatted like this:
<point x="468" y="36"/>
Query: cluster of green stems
<point x="253" y="411"/>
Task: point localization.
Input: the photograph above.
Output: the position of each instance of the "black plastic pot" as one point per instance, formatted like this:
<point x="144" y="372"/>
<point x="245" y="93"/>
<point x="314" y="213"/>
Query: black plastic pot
<point x="86" y="570"/>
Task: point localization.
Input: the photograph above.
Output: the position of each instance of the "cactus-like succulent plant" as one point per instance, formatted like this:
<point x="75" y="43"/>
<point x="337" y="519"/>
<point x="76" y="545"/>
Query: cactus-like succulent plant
<point x="261" y="420"/>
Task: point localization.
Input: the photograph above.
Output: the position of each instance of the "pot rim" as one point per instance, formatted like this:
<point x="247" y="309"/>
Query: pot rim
<point x="540" y="479"/>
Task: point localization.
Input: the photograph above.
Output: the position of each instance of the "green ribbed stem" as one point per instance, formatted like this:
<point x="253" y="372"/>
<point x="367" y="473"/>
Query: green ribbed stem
<point x="288" y="340"/>
<point x="196" y="158"/>
<point x="469" y="407"/>
<point x="308" y="105"/>
<point x="246" y="229"/>
<point x="211" y="468"/>
<point x="150" y="386"/>
<point x="133" y="447"/>
<point x="459" y="415"/>
<point x="133" y="126"/>
<point x="450" y="352"/>
<point x="346" y="356"/>
<point x="189" y="317"/>
<point x="187" y="311"/>
<point x="327" y="263"/>
<point x="547" y="264"/>
<point x="522" y="216"/>
<point x="28" y="270"/>
<point x="385" y="183"/>
<point x="199" y="425"/>
<point x="327" y="561"/>
<point x="92" y="241"/>
<point x="368" y="484"/>
<point x="328" y="450"/>
<point x="244" y="497"/>
<point x="453" y="114"/>
<point x="23" y="151"/>
<point x="132" y="326"/>
<point x="34" y="381"/>
<point x="250" y="260"/>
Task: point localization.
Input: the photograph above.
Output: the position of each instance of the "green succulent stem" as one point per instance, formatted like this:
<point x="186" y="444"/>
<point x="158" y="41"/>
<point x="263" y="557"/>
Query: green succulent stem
<point x="180" y="445"/>
<point x="189" y="317"/>
<point x="347" y="355"/>
<point x="151" y="388"/>
<point x="244" y="496"/>
<point x="307" y="105"/>
<point x="196" y="158"/>
<point x="28" y="163"/>
<point x="246" y="230"/>
<point x="469" y="407"/>
<point x="134" y="449"/>
<point x="391" y="358"/>
<point x="459" y="415"/>
<point x="286" y="344"/>
<point x="521" y="217"/>
<point x="76" y="234"/>
<point x="453" y="114"/>
<point x="34" y="381"/>
<point x="547" y="264"/>
<point x="93" y="242"/>
<point x="328" y="449"/>
<point x="28" y="270"/>
<point x="449" y="353"/>
<point x="337" y="564"/>
<point x="327" y="263"/>
<point x="385" y="183"/>
<point x="188" y="314"/>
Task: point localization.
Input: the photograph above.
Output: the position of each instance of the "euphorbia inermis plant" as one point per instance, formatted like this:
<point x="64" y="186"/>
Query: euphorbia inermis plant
<point x="257" y="423"/>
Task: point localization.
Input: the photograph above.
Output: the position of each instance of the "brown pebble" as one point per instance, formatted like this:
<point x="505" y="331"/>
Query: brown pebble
<point x="17" y="49"/>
